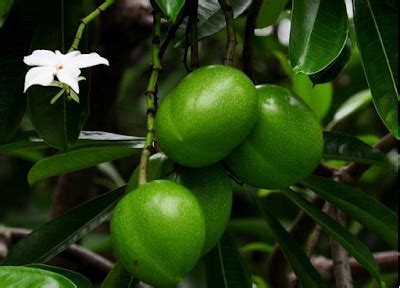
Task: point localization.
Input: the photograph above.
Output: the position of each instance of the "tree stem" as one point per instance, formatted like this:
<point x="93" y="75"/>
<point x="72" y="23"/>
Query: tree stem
<point x="230" y="29"/>
<point x="151" y="95"/>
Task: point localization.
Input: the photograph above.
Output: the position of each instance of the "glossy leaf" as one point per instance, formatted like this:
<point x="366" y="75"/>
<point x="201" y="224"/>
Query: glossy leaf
<point x="294" y="254"/>
<point x="318" y="34"/>
<point x="56" y="235"/>
<point x="118" y="277"/>
<point x="349" y="148"/>
<point x="318" y="97"/>
<point x="352" y="105"/>
<point x="15" y="38"/>
<point x="80" y="158"/>
<point x="29" y="277"/>
<point x="269" y="12"/>
<point x="359" y="206"/>
<point x="171" y="8"/>
<point x="330" y="72"/>
<point x="225" y="267"/>
<point x="56" y="32"/>
<point x="78" y="279"/>
<point x="377" y="39"/>
<point x="352" y="244"/>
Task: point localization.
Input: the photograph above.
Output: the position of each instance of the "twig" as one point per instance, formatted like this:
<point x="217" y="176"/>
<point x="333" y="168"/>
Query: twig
<point x="193" y="22"/>
<point x="247" y="52"/>
<point x="4" y="241"/>
<point x="151" y="94"/>
<point x="230" y="29"/>
<point x="85" y="21"/>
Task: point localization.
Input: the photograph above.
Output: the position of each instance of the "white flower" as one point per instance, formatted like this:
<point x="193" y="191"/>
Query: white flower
<point x="66" y="67"/>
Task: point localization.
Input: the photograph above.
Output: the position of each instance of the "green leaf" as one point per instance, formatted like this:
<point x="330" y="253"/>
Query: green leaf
<point x="118" y="277"/>
<point x="82" y="157"/>
<point x="359" y="206"/>
<point x="318" y="34"/>
<point x="15" y="38"/>
<point x="5" y="7"/>
<point x="56" y="32"/>
<point x="256" y="246"/>
<point x="352" y="105"/>
<point x="318" y="97"/>
<point x="341" y="146"/>
<point x="56" y="235"/>
<point x="294" y="254"/>
<point x="29" y="277"/>
<point x="225" y="266"/>
<point x="171" y="8"/>
<point x="270" y="12"/>
<point x="347" y="240"/>
<point x="377" y="39"/>
<point x="330" y="72"/>
<point x="78" y="279"/>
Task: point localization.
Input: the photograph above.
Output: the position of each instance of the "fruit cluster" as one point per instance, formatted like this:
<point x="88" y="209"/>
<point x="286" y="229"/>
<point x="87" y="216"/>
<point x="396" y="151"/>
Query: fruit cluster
<point x="267" y="138"/>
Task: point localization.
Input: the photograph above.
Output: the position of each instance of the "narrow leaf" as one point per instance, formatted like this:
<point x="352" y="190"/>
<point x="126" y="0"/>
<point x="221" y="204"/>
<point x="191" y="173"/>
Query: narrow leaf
<point x="56" y="235"/>
<point x="352" y="105"/>
<point x="81" y="158"/>
<point x="5" y="7"/>
<point x="171" y="8"/>
<point x="225" y="267"/>
<point x="347" y="240"/>
<point x="118" y="277"/>
<point x="377" y="39"/>
<point x="318" y="35"/>
<point x="269" y="12"/>
<point x="349" y="148"/>
<point x="359" y="206"/>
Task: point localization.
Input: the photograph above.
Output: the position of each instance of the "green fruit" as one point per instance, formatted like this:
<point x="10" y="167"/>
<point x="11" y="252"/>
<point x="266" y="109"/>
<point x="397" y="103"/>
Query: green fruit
<point x="285" y="145"/>
<point x="206" y="116"/>
<point x="213" y="189"/>
<point x="211" y="186"/>
<point x="157" y="232"/>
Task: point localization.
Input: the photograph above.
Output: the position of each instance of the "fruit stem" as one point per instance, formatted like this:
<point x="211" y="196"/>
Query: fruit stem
<point x="230" y="29"/>
<point x="151" y="95"/>
<point x="85" y="21"/>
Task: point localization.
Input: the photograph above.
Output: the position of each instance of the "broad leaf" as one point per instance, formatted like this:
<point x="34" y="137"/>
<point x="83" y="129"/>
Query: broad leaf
<point x="82" y="157"/>
<point x="15" y="38"/>
<point x="352" y="105"/>
<point x="29" y="277"/>
<point x="225" y="267"/>
<point x="78" y="279"/>
<point x="349" y="148"/>
<point x="294" y="254"/>
<point x="56" y="235"/>
<point x="359" y="206"/>
<point x="377" y="39"/>
<point x="56" y="32"/>
<point x="118" y="277"/>
<point x="171" y="8"/>
<point x="318" y="34"/>
<point x="269" y="12"/>
<point x="352" y="244"/>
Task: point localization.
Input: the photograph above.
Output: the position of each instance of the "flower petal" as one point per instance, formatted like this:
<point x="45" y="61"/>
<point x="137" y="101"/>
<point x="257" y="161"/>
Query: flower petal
<point x="69" y="76"/>
<point x="39" y="76"/>
<point x="88" y="60"/>
<point x="41" y="58"/>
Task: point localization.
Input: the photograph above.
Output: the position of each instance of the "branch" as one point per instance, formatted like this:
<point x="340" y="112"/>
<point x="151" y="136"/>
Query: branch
<point x="151" y="94"/>
<point x="230" y="29"/>
<point x="193" y="22"/>
<point x="247" y="53"/>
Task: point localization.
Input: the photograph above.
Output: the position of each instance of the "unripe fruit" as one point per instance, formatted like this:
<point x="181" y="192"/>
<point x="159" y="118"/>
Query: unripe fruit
<point x="208" y="114"/>
<point x="285" y="145"/>
<point x="157" y="232"/>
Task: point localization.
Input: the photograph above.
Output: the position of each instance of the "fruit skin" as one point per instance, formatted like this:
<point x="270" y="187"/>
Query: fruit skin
<point x="206" y="116"/>
<point x="213" y="189"/>
<point x="284" y="147"/>
<point x="211" y="185"/>
<point x="157" y="232"/>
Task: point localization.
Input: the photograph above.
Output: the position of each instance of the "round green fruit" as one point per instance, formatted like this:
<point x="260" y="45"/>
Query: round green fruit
<point x="157" y="232"/>
<point x="213" y="189"/>
<point x="285" y="145"/>
<point x="206" y="116"/>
